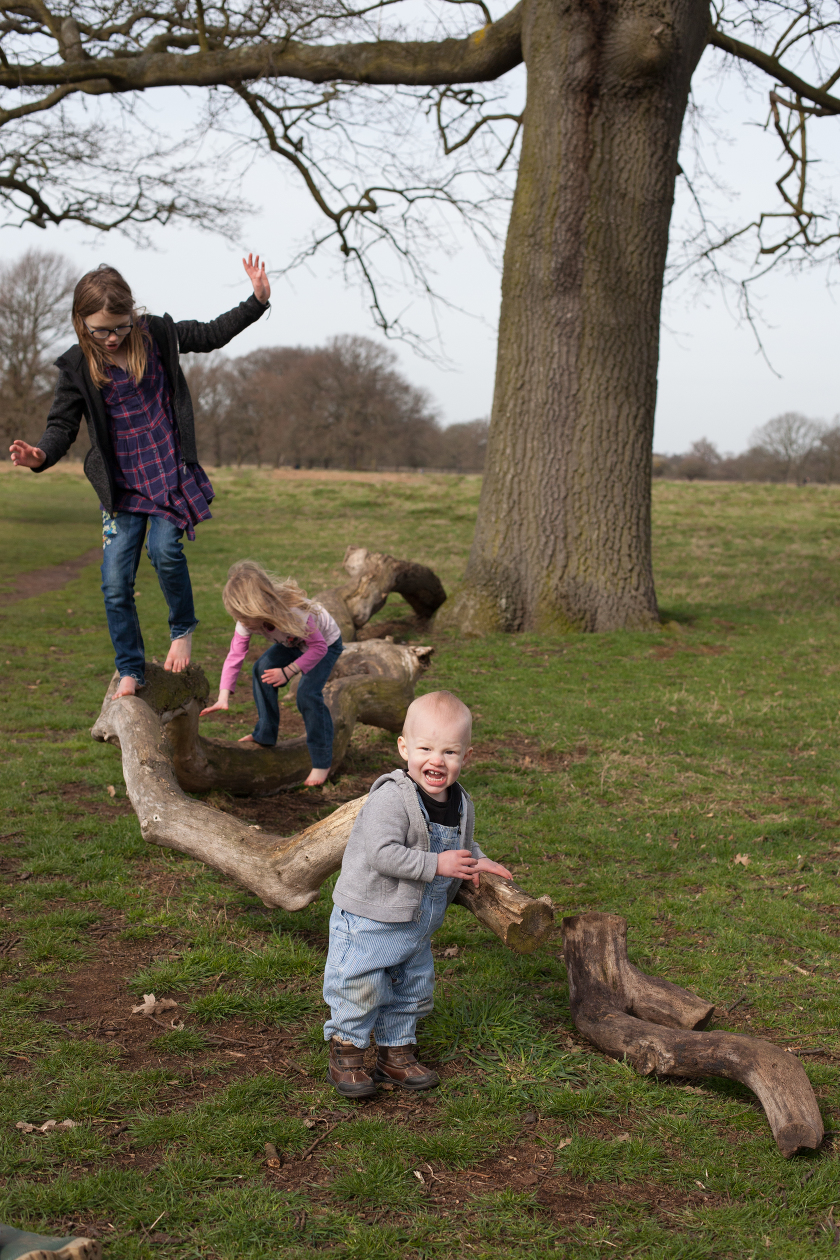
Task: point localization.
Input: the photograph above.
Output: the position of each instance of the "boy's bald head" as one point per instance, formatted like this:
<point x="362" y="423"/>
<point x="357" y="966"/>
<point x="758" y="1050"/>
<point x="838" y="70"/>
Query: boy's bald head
<point x="439" y="707"/>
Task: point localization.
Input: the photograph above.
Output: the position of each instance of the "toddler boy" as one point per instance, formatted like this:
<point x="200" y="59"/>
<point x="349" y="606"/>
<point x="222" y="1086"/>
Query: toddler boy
<point x="409" y="849"/>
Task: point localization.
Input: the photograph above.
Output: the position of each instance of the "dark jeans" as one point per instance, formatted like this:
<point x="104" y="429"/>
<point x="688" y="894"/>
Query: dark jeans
<point x="122" y="543"/>
<point x="310" y="701"/>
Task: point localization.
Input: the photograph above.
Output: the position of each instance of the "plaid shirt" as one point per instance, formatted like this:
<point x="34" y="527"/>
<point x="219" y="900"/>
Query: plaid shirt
<point x="152" y="478"/>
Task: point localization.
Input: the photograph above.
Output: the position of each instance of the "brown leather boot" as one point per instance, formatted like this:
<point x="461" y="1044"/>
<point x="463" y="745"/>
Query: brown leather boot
<point x="347" y="1070"/>
<point x="399" y="1066"/>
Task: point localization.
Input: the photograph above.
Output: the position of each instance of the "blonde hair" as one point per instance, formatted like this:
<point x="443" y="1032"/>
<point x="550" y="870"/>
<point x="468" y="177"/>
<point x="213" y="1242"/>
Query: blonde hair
<point x="252" y="596"/>
<point x="445" y="703"/>
<point x="105" y="290"/>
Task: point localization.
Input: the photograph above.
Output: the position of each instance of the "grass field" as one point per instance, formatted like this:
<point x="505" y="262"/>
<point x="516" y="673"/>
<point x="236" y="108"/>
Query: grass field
<point x="622" y="772"/>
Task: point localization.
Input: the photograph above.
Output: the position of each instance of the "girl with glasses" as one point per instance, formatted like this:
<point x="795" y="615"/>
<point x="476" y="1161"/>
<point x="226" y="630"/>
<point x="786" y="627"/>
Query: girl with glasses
<point x="125" y="378"/>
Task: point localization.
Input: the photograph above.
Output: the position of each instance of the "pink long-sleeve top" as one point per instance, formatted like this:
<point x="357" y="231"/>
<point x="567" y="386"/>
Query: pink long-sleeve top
<point x="317" y="633"/>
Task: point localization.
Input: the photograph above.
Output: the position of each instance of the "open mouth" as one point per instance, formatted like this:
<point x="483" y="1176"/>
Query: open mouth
<point x="435" y="778"/>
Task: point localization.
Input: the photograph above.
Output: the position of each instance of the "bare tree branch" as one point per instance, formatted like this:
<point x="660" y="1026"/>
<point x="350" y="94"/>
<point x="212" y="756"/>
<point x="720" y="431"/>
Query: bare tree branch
<point x="772" y="66"/>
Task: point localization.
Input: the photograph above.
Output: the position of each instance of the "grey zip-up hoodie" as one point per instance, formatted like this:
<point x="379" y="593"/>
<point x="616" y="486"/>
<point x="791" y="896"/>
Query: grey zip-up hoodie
<point x="387" y="859"/>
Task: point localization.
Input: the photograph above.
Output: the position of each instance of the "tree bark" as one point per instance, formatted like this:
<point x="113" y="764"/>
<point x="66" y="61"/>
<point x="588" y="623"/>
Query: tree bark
<point x="520" y="920"/>
<point x="653" y="1024"/>
<point x="563" y="533"/>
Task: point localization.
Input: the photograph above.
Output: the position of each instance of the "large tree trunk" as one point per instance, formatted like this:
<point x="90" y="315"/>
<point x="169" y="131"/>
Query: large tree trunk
<point x="563" y="534"/>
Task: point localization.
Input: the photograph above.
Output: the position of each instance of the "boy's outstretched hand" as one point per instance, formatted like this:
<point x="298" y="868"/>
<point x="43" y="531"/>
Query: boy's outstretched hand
<point x="460" y="864"/>
<point x="256" y="274"/>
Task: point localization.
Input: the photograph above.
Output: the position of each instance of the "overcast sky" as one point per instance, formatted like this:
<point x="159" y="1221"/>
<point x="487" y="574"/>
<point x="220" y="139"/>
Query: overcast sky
<point x="713" y="383"/>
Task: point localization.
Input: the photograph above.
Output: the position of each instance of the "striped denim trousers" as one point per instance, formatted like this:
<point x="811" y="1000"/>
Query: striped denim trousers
<point x="380" y="977"/>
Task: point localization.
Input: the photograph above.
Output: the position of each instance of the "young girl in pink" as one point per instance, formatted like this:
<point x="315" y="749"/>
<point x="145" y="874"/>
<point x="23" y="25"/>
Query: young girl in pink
<point x="306" y="641"/>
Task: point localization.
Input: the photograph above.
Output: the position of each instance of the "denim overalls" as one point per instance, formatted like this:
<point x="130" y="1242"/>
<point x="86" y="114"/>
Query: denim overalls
<point x="381" y="976"/>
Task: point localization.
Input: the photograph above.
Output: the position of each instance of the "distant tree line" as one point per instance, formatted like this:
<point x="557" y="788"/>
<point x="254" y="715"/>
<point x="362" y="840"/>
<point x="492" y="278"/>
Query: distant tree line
<point x="342" y="405"/>
<point x="789" y="448"/>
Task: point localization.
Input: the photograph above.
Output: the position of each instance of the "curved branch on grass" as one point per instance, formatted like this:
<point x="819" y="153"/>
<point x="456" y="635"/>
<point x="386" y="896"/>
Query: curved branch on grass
<point x="656" y="1026"/>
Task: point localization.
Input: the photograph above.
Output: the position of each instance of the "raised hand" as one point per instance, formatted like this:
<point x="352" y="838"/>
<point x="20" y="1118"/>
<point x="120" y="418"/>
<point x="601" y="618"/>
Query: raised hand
<point x="26" y="456"/>
<point x="255" y="271"/>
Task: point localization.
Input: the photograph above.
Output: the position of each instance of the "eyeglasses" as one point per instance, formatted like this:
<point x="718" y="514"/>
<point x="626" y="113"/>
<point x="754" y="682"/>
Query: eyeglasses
<point x="102" y="334"/>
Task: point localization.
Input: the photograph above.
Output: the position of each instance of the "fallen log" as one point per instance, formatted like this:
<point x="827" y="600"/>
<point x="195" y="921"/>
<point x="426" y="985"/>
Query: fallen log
<point x="655" y="1026"/>
<point x="523" y="922"/>
<point x="163" y="755"/>
<point x="282" y="871"/>
<point x="372" y="682"/>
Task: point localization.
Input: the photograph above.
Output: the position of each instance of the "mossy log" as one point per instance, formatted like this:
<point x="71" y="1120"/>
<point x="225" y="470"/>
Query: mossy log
<point x="657" y="1027"/>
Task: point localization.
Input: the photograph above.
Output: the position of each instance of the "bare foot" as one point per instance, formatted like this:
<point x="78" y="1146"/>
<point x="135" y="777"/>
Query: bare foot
<point x="249" y="739"/>
<point x="179" y="654"/>
<point x="316" y="777"/>
<point x="127" y="687"/>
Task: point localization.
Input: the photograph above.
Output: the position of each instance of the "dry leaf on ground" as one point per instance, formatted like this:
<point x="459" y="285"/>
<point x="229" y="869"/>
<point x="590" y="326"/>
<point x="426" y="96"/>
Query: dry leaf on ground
<point x="112" y="791"/>
<point x="452" y="952"/>
<point x="153" y="1006"/>
<point x="741" y="859"/>
<point x="45" y="1128"/>
<point x="566" y="1142"/>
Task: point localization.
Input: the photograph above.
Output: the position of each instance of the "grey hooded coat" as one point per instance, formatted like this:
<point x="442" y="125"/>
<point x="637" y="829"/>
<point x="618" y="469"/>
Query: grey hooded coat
<point x="387" y="860"/>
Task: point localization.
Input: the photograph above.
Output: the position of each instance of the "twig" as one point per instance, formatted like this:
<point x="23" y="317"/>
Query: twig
<point x="293" y="1066"/>
<point x="234" y="1041"/>
<point x="737" y="1002"/>
<point x="148" y="1230"/>
<point x="9" y="835"/>
<point x="311" y="1147"/>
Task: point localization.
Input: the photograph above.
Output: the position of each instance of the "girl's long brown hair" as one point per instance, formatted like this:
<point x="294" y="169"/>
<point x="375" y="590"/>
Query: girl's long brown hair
<point x="252" y="595"/>
<point x="105" y="290"/>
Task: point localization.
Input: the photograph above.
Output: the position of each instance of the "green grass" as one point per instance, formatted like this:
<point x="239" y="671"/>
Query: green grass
<point x="620" y="772"/>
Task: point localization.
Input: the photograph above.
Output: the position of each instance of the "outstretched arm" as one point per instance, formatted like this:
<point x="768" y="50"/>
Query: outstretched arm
<point x="195" y="337"/>
<point x="61" y="432"/>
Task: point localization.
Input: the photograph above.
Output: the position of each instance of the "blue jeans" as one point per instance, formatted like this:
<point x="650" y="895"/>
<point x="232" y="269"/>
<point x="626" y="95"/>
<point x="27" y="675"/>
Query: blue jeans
<point x="122" y="543"/>
<point x="310" y="701"/>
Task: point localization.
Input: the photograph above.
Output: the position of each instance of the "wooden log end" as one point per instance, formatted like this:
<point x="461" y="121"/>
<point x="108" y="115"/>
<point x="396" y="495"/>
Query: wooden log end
<point x="533" y="929"/>
<point x="792" y="1138"/>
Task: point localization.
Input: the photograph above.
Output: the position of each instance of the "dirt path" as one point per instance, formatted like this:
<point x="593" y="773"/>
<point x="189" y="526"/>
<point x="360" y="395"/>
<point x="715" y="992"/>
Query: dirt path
<point x="51" y="578"/>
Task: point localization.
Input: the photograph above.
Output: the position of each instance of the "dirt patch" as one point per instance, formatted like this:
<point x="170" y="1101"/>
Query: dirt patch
<point x="363" y="478"/>
<point x="51" y="578"/>
<point x="97" y="1003"/>
<point x="98" y="802"/>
